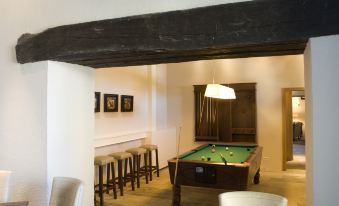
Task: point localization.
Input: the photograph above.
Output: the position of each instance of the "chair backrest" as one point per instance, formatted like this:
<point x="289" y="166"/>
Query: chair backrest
<point x="4" y="185"/>
<point x="251" y="199"/>
<point x="66" y="191"/>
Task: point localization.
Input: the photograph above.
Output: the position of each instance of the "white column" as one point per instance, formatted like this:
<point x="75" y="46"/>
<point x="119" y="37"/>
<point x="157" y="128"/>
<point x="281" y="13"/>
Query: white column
<point x="158" y="96"/>
<point x="26" y="151"/>
<point x="161" y="96"/>
<point x="70" y="124"/>
<point x="58" y="101"/>
<point x="322" y="100"/>
<point x="161" y="135"/>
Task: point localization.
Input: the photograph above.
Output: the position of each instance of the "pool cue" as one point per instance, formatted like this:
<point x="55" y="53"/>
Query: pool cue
<point x="223" y="158"/>
<point x="176" y="188"/>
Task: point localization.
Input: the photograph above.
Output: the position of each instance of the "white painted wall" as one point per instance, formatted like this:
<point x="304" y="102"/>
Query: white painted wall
<point x="70" y="125"/>
<point x="21" y="98"/>
<point x="166" y="140"/>
<point x="23" y="130"/>
<point x="60" y="142"/>
<point x="120" y="131"/>
<point x="159" y="95"/>
<point x="114" y="127"/>
<point x="321" y="87"/>
<point x="162" y="135"/>
<point x="271" y="75"/>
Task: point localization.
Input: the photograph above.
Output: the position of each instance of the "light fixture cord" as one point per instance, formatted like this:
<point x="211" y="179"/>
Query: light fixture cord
<point x="230" y="104"/>
<point x="213" y="73"/>
<point x="201" y="113"/>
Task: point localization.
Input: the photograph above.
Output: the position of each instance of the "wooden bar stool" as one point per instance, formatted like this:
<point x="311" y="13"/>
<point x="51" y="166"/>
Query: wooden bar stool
<point x="137" y="152"/>
<point x="122" y="179"/>
<point x="150" y="148"/>
<point x="101" y="162"/>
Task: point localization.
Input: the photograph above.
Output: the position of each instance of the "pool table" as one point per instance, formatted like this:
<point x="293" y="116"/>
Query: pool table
<point x="225" y="166"/>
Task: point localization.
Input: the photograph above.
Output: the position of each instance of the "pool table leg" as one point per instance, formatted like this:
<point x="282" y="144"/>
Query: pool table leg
<point x="257" y="177"/>
<point x="176" y="195"/>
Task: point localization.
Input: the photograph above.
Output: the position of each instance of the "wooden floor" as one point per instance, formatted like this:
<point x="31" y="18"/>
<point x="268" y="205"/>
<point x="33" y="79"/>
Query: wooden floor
<point x="299" y="159"/>
<point x="290" y="184"/>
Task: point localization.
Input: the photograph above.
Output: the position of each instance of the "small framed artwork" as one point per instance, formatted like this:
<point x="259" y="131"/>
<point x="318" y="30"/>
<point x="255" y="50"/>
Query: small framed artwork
<point x="111" y="102"/>
<point x="97" y="102"/>
<point x="126" y="103"/>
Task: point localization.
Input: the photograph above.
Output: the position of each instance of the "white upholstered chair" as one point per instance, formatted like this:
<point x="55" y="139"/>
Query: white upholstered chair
<point x="66" y="191"/>
<point x="248" y="198"/>
<point x="4" y="185"/>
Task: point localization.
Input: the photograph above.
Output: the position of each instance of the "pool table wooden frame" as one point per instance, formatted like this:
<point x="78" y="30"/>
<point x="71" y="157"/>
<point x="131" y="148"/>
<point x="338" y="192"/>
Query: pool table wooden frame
<point x="233" y="176"/>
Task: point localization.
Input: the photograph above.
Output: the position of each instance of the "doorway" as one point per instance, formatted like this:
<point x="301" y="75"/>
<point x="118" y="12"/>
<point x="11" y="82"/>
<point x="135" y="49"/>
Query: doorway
<point x="294" y="128"/>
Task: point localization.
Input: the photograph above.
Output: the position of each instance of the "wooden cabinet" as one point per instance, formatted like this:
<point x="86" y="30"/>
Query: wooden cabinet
<point x="226" y="120"/>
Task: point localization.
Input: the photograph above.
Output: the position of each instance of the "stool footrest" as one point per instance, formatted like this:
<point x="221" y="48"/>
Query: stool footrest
<point x="153" y="168"/>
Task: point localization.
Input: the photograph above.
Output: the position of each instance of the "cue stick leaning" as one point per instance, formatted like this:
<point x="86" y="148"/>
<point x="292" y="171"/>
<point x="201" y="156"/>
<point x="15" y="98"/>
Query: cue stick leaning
<point x="177" y="159"/>
<point x="176" y="189"/>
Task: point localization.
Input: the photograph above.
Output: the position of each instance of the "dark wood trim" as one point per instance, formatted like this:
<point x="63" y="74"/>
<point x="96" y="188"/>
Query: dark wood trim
<point x="245" y="29"/>
<point x="226" y="120"/>
<point x="287" y="124"/>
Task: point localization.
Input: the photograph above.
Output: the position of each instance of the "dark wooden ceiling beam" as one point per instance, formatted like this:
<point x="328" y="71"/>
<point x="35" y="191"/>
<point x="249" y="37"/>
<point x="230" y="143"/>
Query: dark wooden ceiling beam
<point x="145" y="58"/>
<point x="246" y="29"/>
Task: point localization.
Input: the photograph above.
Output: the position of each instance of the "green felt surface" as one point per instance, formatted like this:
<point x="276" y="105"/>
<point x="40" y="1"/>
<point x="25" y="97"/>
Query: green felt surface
<point x="240" y="153"/>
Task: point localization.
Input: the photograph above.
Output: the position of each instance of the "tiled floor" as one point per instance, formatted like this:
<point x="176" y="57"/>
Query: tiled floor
<point x="290" y="184"/>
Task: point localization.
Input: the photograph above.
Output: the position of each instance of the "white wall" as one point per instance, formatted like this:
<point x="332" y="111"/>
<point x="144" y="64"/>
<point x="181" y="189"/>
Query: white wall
<point x="21" y="113"/>
<point x="60" y="142"/>
<point x="119" y="131"/>
<point x="271" y="75"/>
<point x="321" y="87"/>
<point x="114" y="127"/>
<point x="162" y="135"/>
<point x="23" y="130"/>
<point x="159" y="95"/>
<point x="70" y="124"/>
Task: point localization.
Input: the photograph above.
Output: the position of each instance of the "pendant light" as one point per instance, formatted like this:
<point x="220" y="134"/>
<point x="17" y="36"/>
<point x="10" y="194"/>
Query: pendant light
<point x="219" y="91"/>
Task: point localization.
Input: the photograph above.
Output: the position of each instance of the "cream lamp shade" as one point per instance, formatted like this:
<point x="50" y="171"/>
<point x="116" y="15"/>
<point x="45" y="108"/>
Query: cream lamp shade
<point x="219" y="91"/>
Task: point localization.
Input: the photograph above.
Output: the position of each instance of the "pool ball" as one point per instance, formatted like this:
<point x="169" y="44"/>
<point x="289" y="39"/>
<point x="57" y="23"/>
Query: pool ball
<point x="226" y="148"/>
<point x="231" y="153"/>
<point x="213" y="146"/>
<point x="208" y="158"/>
<point x="248" y="149"/>
<point x="203" y="158"/>
<point x="213" y="150"/>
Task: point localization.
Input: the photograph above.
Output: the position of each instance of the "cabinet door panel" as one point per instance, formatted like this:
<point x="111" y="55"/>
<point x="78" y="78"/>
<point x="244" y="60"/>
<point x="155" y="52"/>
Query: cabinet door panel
<point x="226" y="120"/>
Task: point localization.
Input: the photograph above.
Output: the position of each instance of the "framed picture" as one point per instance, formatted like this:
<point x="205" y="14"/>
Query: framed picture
<point x="97" y="102"/>
<point x="111" y="102"/>
<point x="126" y="103"/>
